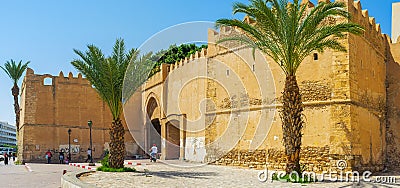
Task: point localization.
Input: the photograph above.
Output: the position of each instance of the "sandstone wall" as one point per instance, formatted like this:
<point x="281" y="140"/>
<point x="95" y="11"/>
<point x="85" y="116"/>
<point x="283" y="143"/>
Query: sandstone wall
<point x="350" y="102"/>
<point x="344" y="111"/>
<point x="393" y="106"/>
<point x="48" y="111"/>
<point x="367" y="64"/>
<point x="322" y="96"/>
<point x="185" y="89"/>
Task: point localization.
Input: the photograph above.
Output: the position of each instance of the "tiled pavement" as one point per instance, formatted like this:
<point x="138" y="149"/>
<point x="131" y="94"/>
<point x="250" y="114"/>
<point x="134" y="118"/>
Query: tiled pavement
<point x="32" y="175"/>
<point x="162" y="175"/>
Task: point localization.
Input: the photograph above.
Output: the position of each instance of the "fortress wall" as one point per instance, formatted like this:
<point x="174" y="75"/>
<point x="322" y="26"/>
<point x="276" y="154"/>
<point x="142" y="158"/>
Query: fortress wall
<point x="346" y="130"/>
<point x="393" y="106"/>
<point x="318" y="85"/>
<point x="185" y="93"/>
<point x="343" y="110"/>
<point x="367" y="63"/>
<point x="134" y="118"/>
<point x="66" y="103"/>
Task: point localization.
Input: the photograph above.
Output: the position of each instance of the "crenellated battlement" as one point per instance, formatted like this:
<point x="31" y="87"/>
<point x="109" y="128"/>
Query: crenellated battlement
<point x="373" y="32"/>
<point x="192" y="58"/>
<point x="372" y="29"/>
<point x="167" y="69"/>
<point x="60" y="79"/>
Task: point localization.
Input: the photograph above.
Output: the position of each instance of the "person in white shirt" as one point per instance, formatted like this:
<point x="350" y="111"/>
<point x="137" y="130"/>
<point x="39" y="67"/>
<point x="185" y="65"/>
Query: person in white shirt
<point x="153" y="153"/>
<point x="89" y="154"/>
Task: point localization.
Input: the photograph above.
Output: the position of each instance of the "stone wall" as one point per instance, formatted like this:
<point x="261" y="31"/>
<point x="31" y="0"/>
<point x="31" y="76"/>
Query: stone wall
<point x="347" y="98"/>
<point x="341" y="103"/>
<point x="315" y="91"/>
<point x="316" y="159"/>
<point x="393" y="106"/>
<point x="50" y="105"/>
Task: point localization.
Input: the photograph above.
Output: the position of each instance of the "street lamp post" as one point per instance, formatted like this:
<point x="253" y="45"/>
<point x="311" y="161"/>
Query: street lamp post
<point x="69" y="145"/>
<point x="91" y="149"/>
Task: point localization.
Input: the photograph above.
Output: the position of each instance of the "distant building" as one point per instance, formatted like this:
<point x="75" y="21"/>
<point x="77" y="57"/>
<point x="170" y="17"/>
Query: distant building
<point x="395" y="22"/>
<point x="8" y="134"/>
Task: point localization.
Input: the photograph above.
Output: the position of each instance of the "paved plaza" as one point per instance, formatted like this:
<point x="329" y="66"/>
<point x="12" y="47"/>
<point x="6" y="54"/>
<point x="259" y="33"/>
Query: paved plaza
<point x="155" y="175"/>
<point x="162" y="175"/>
<point x="40" y="176"/>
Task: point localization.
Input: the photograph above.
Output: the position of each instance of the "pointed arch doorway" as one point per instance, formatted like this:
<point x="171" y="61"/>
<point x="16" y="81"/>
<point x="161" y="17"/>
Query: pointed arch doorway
<point x="153" y="126"/>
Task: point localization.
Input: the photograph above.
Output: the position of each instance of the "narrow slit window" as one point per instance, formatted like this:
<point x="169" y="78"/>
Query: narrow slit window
<point x="315" y="56"/>
<point x="227" y="72"/>
<point x="254" y="67"/>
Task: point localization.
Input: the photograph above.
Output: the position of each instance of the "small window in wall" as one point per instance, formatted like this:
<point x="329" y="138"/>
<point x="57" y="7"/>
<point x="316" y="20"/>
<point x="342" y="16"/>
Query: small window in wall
<point x="315" y="56"/>
<point x="254" y="67"/>
<point x="48" y="81"/>
<point x="227" y="72"/>
<point x="362" y="66"/>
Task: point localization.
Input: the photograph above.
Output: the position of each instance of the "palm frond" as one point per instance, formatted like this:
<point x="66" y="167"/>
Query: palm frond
<point x="15" y="70"/>
<point x="137" y="72"/>
<point x="289" y="32"/>
<point x="107" y="74"/>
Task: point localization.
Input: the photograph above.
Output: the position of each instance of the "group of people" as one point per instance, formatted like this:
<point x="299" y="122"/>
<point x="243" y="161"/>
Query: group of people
<point x="61" y="157"/>
<point x="8" y="157"/>
<point x="65" y="160"/>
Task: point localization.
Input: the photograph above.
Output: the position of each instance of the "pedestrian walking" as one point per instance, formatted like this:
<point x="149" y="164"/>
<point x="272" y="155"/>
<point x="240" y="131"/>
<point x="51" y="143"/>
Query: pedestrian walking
<point x="89" y="155"/>
<point x="13" y="156"/>
<point x="61" y="157"/>
<point x="153" y="154"/>
<point x="48" y="156"/>
<point x="9" y="156"/>
<point x="5" y="158"/>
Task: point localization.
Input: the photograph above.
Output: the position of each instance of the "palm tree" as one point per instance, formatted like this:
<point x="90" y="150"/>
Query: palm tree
<point x="107" y="74"/>
<point x="288" y="33"/>
<point x="15" y="71"/>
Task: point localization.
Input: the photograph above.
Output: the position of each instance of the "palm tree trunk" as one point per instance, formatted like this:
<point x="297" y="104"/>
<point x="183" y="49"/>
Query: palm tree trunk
<point x="292" y="123"/>
<point x="15" y="93"/>
<point x="117" y="144"/>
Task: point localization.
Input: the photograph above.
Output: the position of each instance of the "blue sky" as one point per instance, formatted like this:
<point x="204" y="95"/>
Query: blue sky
<point x="45" y="32"/>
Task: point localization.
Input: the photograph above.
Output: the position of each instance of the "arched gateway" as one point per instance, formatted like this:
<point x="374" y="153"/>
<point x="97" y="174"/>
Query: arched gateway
<point x="165" y="132"/>
<point x="152" y="126"/>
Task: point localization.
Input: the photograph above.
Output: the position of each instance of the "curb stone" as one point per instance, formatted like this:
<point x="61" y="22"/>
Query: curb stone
<point x="70" y="180"/>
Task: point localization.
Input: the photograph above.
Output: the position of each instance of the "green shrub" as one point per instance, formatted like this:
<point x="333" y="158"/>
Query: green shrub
<point x="108" y="169"/>
<point x="18" y="163"/>
<point x="104" y="161"/>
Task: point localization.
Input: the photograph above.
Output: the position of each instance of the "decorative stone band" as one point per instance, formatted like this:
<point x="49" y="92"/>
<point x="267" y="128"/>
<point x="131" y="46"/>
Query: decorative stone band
<point x="279" y="105"/>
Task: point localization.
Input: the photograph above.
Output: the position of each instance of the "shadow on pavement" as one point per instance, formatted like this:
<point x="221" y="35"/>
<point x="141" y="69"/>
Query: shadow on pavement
<point x="175" y="174"/>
